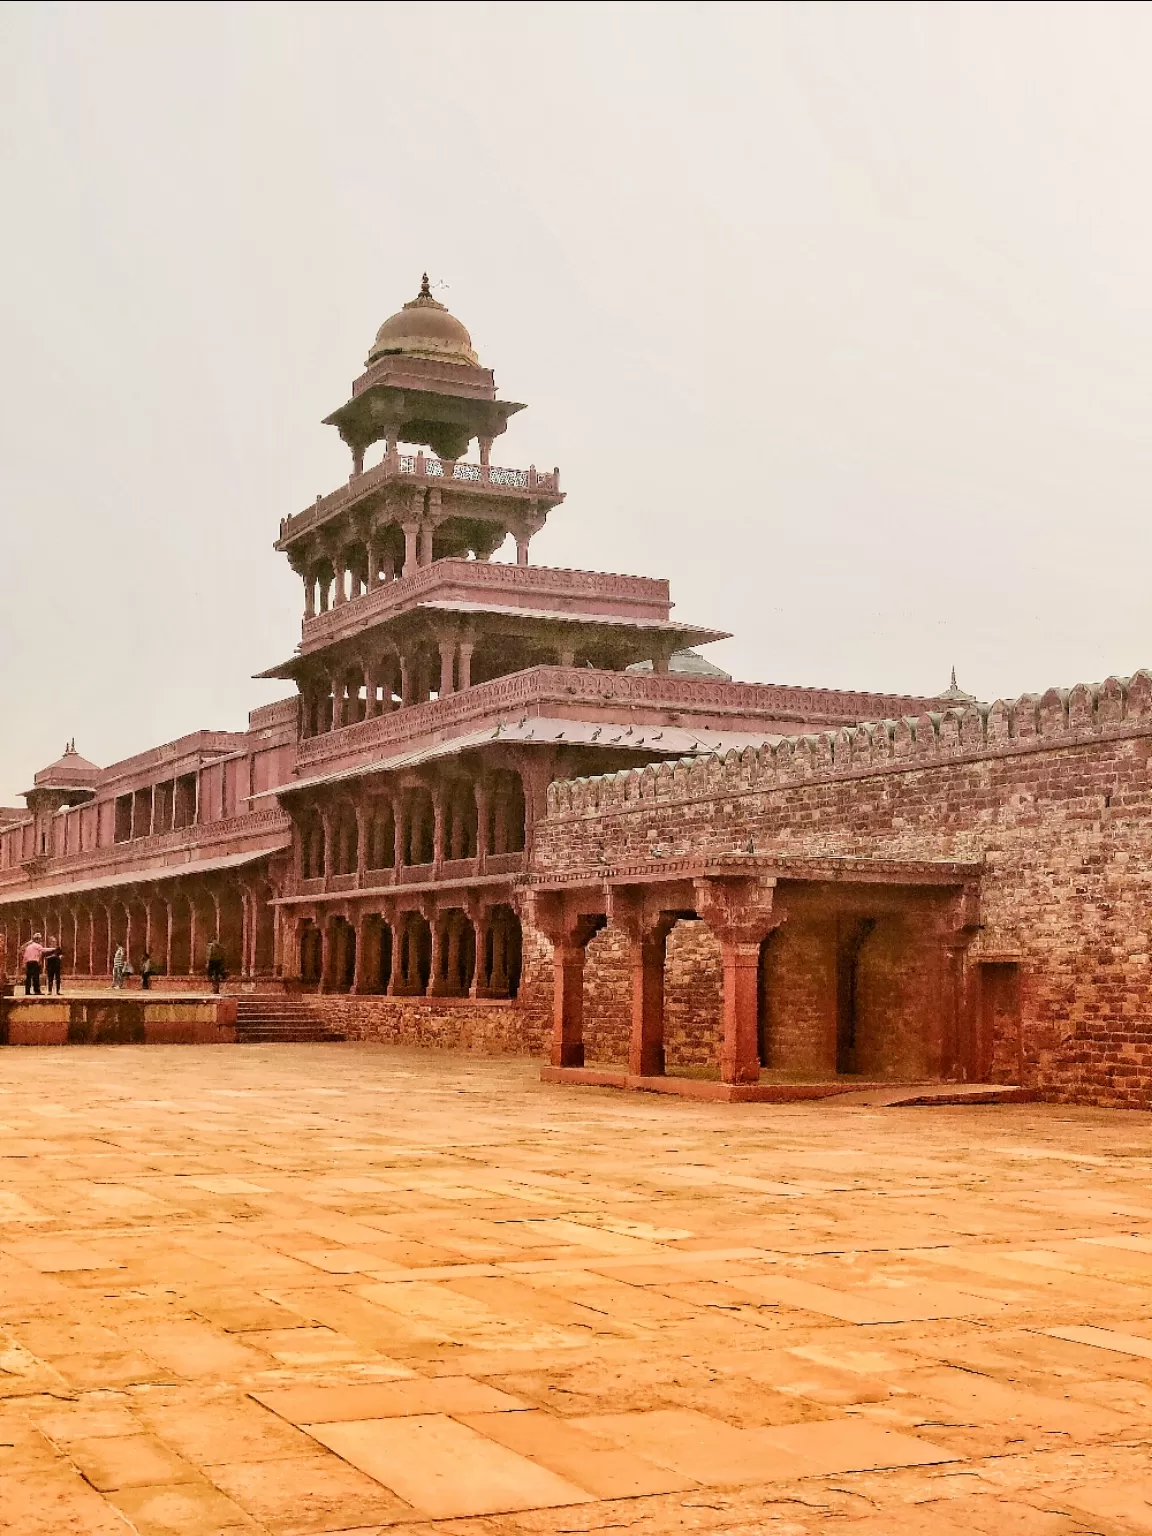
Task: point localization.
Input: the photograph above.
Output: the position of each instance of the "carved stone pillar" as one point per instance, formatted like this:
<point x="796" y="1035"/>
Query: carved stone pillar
<point x="569" y="933"/>
<point x="447" y="665"/>
<point x="438" y="808"/>
<point x="437" y="982"/>
<point x="464" y="651"/>
<point x="411" y="547"/>
<point x="426" y="532"/>
<point x="741" y="914"/>
<point x="309" y="595"/>
<point x="480" y="791"/>
<point x="341" y="570"/>
<point x="399" y="817"/>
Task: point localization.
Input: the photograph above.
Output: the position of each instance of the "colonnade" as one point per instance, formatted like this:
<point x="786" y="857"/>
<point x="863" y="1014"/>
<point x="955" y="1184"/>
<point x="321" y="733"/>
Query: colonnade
<point x="350" y="562"/>
<point x="430" y="949"/>
<point x="445" y="819"/>
<point x="172" y="921"/>
<point x="364" y="686"/>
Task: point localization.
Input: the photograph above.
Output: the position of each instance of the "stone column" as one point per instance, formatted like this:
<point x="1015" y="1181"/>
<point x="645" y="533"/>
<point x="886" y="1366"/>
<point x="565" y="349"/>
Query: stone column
<point x="436" y="983"/>
<point x="480" y="791"/>
<point x="407" y="679"/>
<point x="328" y="822"/>
<point x="361" y="981"/>
<point x="465" y="674"/>
<point x="437" y="823"/>
<point x="566" y="656"/>
<point x="340" y="596"/>
<point x="447" y="665"/>
<point x="740" y="913"/>
<point x="339" y="687"/>
<point x="399" y="813"/>
<point x="168" y="941"/>
<point x="411" y="546"/>
<point x="522" y="540"/>
<point x="482" y="925"/>
<point x="373" y="563"/>
<point x="426" y="532"/>
<point x="309" y="595"/>
<point x="568" y="1005"/>
<point x="363" y="827"/>
<point x="646" y="1045"/>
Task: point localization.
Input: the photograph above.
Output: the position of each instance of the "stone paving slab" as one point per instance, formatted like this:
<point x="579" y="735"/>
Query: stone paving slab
<point x="318" y="1289"/>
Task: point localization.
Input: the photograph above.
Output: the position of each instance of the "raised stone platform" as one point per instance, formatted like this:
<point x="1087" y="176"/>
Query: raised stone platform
<point x="117" y="1018"/>
<point x="847" y="1089"/>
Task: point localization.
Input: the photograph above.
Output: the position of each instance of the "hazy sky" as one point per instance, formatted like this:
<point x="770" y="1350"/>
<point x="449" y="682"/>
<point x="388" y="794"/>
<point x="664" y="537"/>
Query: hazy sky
<point x="838" y="315"/>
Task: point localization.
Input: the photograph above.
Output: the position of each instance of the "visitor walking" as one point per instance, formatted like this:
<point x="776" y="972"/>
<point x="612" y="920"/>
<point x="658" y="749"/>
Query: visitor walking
<point x="146" y="972"/>
<point x="32" y="956"/>
<point x="216" y="971"/>
<point x="53" y="964"/>
<point x="119" y="966"/>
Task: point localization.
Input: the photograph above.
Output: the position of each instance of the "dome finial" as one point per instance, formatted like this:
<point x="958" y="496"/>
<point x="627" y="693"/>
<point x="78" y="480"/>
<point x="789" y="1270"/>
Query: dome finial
<point x="953" y="682"/>
<point x="425" y="291"/>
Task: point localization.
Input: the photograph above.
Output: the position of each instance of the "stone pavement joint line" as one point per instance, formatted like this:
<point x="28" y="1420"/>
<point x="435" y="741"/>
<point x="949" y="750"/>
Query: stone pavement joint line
<point x="314" y="1290"/>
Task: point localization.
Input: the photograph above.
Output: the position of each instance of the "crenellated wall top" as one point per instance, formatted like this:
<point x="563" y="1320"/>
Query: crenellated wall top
<point x="1059" y="718"/>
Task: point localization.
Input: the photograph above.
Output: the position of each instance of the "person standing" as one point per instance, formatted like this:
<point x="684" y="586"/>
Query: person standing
<point x="146" y="972"/>
<point x="216" y="972"/>
<point x="53" y="964"/>
<point x="32" y="956"/>
<point x="119" y="966"/>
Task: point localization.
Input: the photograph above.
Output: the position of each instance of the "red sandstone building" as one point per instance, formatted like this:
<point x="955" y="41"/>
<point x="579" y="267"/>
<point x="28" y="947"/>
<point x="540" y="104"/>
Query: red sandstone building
<point x="793" y="895"/>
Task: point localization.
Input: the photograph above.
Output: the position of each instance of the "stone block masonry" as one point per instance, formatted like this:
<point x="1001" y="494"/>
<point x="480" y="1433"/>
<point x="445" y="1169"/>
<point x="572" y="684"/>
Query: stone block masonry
<point x="1048" y="798"/>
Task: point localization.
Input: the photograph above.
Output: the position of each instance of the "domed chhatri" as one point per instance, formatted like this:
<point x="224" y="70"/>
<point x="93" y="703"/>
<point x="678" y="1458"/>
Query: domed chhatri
<point x="70" y="771"/>
<point x="424" y="328"/>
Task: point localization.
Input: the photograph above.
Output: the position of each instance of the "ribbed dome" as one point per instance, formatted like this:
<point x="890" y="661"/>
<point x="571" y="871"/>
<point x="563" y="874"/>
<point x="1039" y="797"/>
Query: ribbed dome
<point x="424" y="328"/>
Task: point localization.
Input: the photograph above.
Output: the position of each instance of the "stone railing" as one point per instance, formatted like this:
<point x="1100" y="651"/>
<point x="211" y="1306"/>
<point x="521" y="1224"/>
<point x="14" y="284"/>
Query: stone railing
<point x="455" y="871"/>
<point x="530" y="483"/>
<point x="585" y="591"/>
<point x="1060" y="718"/>
<point x="521" y="691"/>
<point x="191" y="839"/>
<point x="279" y="712"/>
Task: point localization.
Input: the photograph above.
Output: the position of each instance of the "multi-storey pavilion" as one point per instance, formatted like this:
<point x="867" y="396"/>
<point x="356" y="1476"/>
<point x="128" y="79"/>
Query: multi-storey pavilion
<point x="440" y="691"/>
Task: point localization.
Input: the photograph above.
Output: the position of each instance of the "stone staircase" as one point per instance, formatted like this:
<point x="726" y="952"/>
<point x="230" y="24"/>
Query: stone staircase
<point x="269" y="1019"/>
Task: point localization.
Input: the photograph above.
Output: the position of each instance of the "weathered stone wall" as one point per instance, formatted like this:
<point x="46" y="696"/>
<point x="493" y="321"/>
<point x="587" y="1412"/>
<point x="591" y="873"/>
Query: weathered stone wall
<point x="492" y="1028"/>
<point x="1053" y="794"/>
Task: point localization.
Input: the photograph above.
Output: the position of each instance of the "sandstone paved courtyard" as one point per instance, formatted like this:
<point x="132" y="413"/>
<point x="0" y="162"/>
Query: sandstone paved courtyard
<point x="305" y="1289"/>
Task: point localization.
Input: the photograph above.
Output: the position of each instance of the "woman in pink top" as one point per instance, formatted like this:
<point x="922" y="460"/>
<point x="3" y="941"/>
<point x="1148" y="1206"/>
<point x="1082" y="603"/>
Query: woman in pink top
<point x="33" y="954"/>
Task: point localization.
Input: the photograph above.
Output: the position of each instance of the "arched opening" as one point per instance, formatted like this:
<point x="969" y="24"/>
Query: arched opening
<point x="460" y="822"/>
<point x="310" y="832"/>
<point x="412" y="962"/>
<point x="311" y="952"/>
<point x="381" y="848"/>
<point x="420" y="828"/>
<point x="230" y="930"/>
<point x="455" y="954"/>
<point x="693" y="998"/>
<point x="607" y="998"/>
<point x="506" y="813"/>
<point x="345" y="839"/>
<point x="180" y="946"/>
<point x="341" y="970"/>
<point x="264" y="938"/>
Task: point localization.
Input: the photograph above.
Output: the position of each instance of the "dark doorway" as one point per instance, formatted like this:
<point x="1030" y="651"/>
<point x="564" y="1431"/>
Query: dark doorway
<point x="851" y="936"/>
